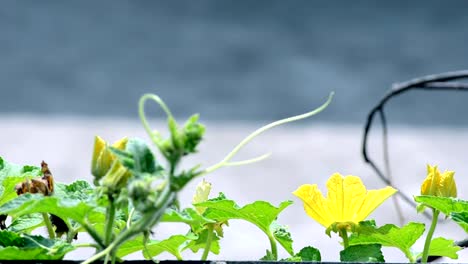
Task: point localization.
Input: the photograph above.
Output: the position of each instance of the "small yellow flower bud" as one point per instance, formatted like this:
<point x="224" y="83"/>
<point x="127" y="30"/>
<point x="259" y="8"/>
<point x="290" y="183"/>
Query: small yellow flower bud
<point x="117" y="177"/>
<point x="201" y="195"/>
<point x="438" y="184"/>
<point x="102" y="157"/>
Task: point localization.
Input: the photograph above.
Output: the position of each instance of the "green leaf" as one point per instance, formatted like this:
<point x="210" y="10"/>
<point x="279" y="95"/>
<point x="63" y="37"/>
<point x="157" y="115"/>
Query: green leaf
<point x="80" y="190"/>
<point x="7" y="188"/>
<point x="309" y="254"/>
<point x="222" y="210"/>
<point x="176" y="137"/>
<point x="12" y="174"/>
<point x="443" y="247"/>
<point x="268" y="256"/>
<point x="14" y="246"/>
<point x="306" y="254"/>
<point x="389" y="235"/>
<point x="259" y="213"/>
<point x="174" y="245"/>
<point x="193" y="132"/>
<point x="12" y="170"/>
<point x="188" y="216"/>
<point x="200" y="242"/>
<point x="142" y="155"/>
<point x="362" y="253"/>
<point x="26" y="223"/>
<point x="282" y="235"/>
<point x="184" y="177"/>
<point x="137" y="157"/>
<point x="461" y="219"/>
<point x="456" y="209"/>
<point x="130" y="246"/>
<point x="446" y="205"/>
<point x="64" y="208"/>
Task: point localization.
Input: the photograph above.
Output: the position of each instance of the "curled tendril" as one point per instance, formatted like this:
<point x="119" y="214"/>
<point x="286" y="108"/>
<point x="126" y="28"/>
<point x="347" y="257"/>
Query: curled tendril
<point x="226" y="160"/>
<point x="141" y="112"/>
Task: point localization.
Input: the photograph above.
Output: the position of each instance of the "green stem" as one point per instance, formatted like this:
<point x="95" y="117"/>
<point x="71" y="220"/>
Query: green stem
<point x="172" y="166"/>
<point x="208" y="241"/>
<point x="130" y="215"/>
<point x="94" y="234"/>
<point x="100" y="254"/>
<point x="143" y="224"/>
<point x="178" y="256"/>
<point x="110" y="217"/>
<point x="84" y="245"/>
<point x="410" y="256"/>
<point x="107" y="258"/>
<point x="48" y="224"/>
<point x="427" y="244"/>
<point x="71" y="235"/>
<point x="225" y="161"/>
<point x="274" y="249"/>
<point x="344" y="235"/>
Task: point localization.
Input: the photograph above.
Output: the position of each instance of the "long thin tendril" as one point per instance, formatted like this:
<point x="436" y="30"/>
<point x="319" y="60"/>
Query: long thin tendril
<point x="225" y="162"/>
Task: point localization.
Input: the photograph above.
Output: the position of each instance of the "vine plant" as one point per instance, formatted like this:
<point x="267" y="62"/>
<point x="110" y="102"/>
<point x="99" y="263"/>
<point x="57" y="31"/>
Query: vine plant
<point x="132" y="192"/>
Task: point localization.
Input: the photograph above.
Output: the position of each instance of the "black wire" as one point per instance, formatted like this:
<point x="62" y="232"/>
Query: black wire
<point x="430" y="82"/>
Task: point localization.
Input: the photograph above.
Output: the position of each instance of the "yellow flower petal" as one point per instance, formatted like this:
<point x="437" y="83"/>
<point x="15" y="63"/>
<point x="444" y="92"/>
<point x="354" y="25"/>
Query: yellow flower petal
<point x="345" y="196"/>
<point x="102" y="159"/>
<point x="313" y="203"/>
<point x="439" y="184"/>
<point x="373" y="199"/>
<point x="450" y="188"/>
<point x="347" y="200"/>
<point x="121" y="143"/>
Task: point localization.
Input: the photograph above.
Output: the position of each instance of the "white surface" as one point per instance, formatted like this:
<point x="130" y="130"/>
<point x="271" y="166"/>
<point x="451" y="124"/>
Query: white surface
<point x="300" y="154"/>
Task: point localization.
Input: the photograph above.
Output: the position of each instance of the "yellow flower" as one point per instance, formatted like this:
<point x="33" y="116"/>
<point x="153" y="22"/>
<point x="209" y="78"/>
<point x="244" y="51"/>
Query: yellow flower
<point x="102" y="157"/>
<point x="347" y="202"/>
<point x="116" y="177"/>
<point x="201" y="195"/>
<point x="438" y="184"/>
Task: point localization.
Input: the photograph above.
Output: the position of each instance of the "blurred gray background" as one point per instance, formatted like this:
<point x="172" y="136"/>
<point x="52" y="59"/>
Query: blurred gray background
<point x="70" y="70"/>
<point x="236" y="60"/>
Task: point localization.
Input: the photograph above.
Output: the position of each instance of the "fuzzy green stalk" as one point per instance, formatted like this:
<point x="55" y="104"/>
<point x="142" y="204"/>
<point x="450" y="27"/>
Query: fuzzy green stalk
<point x="71" y="234"/>
<point x="427" y="244"/>
<point x="344" y="235"/>
<point x="100" y="254"/>
<point x="86" y="245"/>
<point x="94" y="234"/>
<point x="143" y="224"/>
<point x="208" y="241"/>
<point x="129" y="219"/>
<point x="107" y="258"/>
<point x="273" y="246"/>
<point x="110" y="217"/>
<point x="48" y="224"/>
